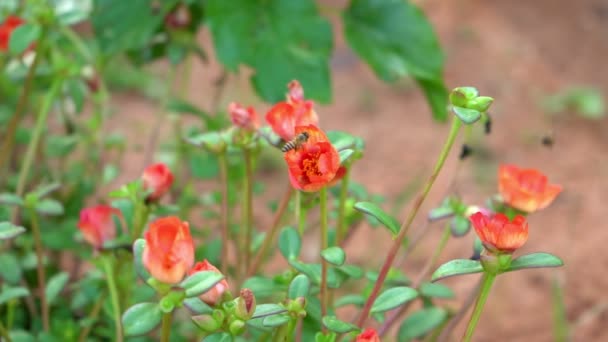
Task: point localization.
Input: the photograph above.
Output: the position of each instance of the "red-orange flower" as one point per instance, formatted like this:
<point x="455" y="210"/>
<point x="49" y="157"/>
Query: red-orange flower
<point x="169" y="250"/>
<point x="158" y="179"/>
<point x="97" y="225"/>
<point x="314" y="163"/>
<point x="525" y="189"/>
<point x="369" y="335"/>
<point x="212" y="296"/>
<point x="6" y="29"/>
<point x="284" y="117"/>
<point x="498" y="234"/>
<point x="242" y="117"/>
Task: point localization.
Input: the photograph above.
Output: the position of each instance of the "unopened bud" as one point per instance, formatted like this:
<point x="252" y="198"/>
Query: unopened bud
<point x="480" y="103"/>
<point x="237" y="327"/>
<point x="206" y="323"/>
<point x="245" y="304"/>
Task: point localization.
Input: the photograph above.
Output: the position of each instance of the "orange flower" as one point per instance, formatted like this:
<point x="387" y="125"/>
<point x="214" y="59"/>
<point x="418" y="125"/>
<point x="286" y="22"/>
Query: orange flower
<point x="314" y="163"/>
<point x="212" y="296"/>
<point x="169" y="250"/>
<point x="242" y="117"/>
<point x="158" y="179"/>
<point x="285" y="116"/>
<point x="96" y="224"/>
<point x="498" y="234"/>
<point x="6" y="29"/>
<point x="525" y="189"/>
<point x="369" y="335"/>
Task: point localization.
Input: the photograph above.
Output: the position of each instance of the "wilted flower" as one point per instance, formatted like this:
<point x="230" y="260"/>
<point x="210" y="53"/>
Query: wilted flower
<point x="169" y="250"/>
<point x="157" y="178"/>
<point x="284" y="117"/>
<point x="315" y="163"/>
<point x="214" y="294"/>
<point x="97" y="225"/>
<point x="525" y="189"/>
<point x="498" y="234"/>
<point x="242" y="117"/>
<point x="369" y="335"/>
<point x="7" y="28"/>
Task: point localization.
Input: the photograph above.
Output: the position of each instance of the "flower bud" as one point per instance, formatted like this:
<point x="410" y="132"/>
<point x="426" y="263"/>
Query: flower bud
<point x="481" y="103"/>
<point x="97" y="225"/>
<point x="157" y="179"/>
<point x="498" y="234"/>
<point x="369" y="335"/>
<point x="237" y="327"/>
<point x="213" y="295"/>
<point x="245" y="118"/>
<point x="245" y="304"/>
<point x="206" y="322"/>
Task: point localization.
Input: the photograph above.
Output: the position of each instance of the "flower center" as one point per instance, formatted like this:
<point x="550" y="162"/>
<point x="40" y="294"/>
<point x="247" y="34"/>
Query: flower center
<point x="310" y="165"/>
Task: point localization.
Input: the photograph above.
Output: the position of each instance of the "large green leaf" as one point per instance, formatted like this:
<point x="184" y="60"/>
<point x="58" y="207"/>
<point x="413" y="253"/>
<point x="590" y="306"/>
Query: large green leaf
<point x="421" y="322"/>
<point x="281" y="40"/>
<point x="395" y="39"/>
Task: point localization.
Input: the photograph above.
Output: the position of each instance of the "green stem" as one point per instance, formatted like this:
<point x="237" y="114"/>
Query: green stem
<point x="323" y="205"/>
<point x="37" y="133"/>
<point x="4" y="333"/>
<point x="300" y="213"/>
<point x="486" y="285"/>
<point x="447" y="232"/>
<point x="247" y="205"/>
<point x="341" y="232"/>
<point x="6" y="149"/>
<point x="10" y="313"/>
<point x="257" y="261"/>
<point x="166" y="327"/>
<point x="107" y="267"/>
<point x="403" y="230"/>
<point x="142" y="211"/>
<point x="225" y="225"/>
<point x="40" y="269"/>
<point x="92" y="318"/>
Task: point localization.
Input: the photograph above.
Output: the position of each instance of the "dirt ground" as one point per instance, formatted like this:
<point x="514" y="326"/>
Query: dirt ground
<point x="517" y="52"/>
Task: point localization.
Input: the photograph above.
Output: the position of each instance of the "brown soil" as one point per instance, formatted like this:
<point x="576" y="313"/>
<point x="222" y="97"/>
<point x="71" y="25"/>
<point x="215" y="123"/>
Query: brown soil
<point x="517" y="52"/>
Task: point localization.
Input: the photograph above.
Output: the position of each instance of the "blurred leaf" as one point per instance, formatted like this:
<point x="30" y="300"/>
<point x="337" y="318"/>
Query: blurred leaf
<point x="468" y="116"/>
<point x="61" y="145"/>
<point x="70" y="12"/>
<point x="332" y="323"/>
<point x="138" y="252"/>
<point x="46" y="189"/>
<point x="396" y="39"/>
<point x="435" y="290"/>
<point x="275" y="320"/>
<point x="290" y="243"/>
<point x="421" y="322"/>
<point x="10" y="199"/>
<point x="535" y="260"/>
<point x="457" y="267"/>
<point x="352" y="271"/>
<point x="355" y="299"/>
<point x="334" y="255"/>
<point x="141" y="319"/>
<point x="280" y="40"/>
<point x="54" y="286"/>
<point x="22" y="37"/>
<point x="10" y="270"/>
<point x="393" y="298"/>
<point x="180" y="106"/>
<point x="264" y="310"/>
<point x="9" y="293"/>
<point x="586" y="101"/>
<point x="299" y="287"/>
<point x="9" y="230"/>
<point x="219" y="337"/>
<point x="373" y="210"/>
<point x="49" y="207"/>
<point x="345" y="155"/>
<point x="110" y="172"/>
<point x="460" y="226"/>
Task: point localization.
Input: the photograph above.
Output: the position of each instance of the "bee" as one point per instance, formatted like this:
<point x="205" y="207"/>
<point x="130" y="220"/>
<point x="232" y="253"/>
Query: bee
<point x="296" y="142"/>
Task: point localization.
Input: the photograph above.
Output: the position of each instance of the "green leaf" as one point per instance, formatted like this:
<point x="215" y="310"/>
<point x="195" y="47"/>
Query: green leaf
<point x="196" y="305"/>
<point x="141" y="319"/>
<point x="290" y="243"/>
<point x="55" y="285"/>
<point x="535" y="260"/>
<point x="334" y="255"/>
<point x="184" y="107"/>
<point x="345" y="155"/>
<point x="460" y="226"/>
<point x="10" y="270"/>
<point x="395" y="39"/>
<point x="275" y="320"/>
<point x="264" y="310"/>
<point x="49" y="207"/>
<point x="23" y="37"/>
<point x="10" y="199"/>
<point x="468" y="116"/>
<point x="351" y="271"/>
<point x="9" y="293"/>
<point x="72" y="11"/>
<point x="138" y="252"/>
<point x="421" y="322"/>
<point x="281" y="40"/>
<point x="393" y="298"/>
<point x="433" y="290"/>
<point x="200" y="282"/>
<point x="457" y="267"/>
<point x="299" y="287"/>
<point x="334" y="324"/>
<point x="219" y="337"/>
<point x="9" y="230"/>
<point x="46" y="189"/>
<point x="61" y="145"/>
<point x="375" y="211"/>
<point x="355" y="299"/>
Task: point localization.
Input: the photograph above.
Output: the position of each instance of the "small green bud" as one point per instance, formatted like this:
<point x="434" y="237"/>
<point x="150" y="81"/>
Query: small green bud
<point x="481" y="103"/>
<point x="490" y="263"/>
<point x="237" y="327"/>
<point x="504" y="261"/>
<point x="458" y="98"/>
<point x="206" y="323"/>
<point x="30" y="201"/>
<point x="166" y="304"/>
<point x="245" y="305"/>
